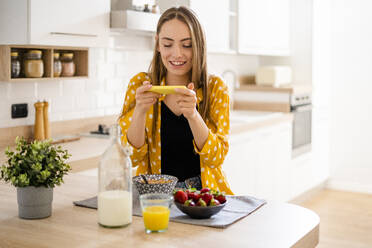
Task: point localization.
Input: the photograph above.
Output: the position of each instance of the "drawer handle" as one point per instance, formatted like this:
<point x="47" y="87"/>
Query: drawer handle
<point x="73" y="34"/>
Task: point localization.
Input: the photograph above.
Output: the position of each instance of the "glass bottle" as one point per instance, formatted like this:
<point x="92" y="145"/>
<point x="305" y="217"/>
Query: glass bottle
<point x="57" y="65"/>
<point x="68" y="65"/>
<point x="15" y="65"/>
<point x="115" y="184"/>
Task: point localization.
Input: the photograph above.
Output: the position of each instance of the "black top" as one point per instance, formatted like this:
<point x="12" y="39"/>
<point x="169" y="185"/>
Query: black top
<point x="178" y="157"/>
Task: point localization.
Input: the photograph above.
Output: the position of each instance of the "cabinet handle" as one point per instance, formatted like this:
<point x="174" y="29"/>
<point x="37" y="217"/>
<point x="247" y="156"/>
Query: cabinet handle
<point x="73" y="34"/>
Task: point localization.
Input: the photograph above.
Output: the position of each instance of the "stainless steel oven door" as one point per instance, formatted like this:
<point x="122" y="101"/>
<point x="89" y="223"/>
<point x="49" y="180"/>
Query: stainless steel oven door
<point x="301" y="134"/>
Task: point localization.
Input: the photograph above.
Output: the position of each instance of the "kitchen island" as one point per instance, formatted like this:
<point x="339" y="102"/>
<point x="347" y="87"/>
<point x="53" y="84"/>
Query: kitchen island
<point x="273" y="225"/>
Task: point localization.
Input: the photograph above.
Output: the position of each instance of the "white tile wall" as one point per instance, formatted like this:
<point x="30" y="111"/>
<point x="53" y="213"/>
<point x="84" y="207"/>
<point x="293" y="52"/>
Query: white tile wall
<point x="4" y="90"/>
<point x="63" y="104"/>
<point x="119" y="97"/>
<point x="121" y="70"/>
<point x="3" y="113"/>
<point x="73" y="87"/>
<point x="105" y="70"/>
<point x="22" y="89"/>
<point x="105" y="100"/>
<point x="103" y="93"/>
<point x="86" y="102"/>
<point x="115" y="84"/>
<point x="94" y="85"/>
<point x="47" y="89"/>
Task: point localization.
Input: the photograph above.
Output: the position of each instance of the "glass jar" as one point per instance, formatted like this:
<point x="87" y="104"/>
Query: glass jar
<point x="15" y="65"/>
<point x="68" y="65"/>
<point x="57" y="65"/>
<point x="34" y="65"/>
<point x="115" y="184"/>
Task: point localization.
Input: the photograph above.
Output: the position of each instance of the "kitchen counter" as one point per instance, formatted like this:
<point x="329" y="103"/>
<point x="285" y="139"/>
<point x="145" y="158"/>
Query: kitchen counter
<point x="86" y="152"/>
<point x="273" y="225"/>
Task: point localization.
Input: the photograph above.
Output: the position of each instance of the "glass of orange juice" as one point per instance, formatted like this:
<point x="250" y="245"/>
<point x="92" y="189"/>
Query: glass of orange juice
<point x="156" y="211"/>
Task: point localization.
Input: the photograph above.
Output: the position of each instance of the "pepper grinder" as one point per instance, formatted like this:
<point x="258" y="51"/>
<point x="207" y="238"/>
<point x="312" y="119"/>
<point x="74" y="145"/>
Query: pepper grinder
<point x="39" y="121"/>
<point x="46" y="120"/>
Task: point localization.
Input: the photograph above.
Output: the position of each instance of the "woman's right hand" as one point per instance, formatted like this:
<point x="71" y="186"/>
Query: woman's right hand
<point x="144" y="98"/>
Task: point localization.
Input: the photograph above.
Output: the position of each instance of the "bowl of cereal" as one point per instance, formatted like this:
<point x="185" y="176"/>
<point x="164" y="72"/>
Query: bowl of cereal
<point x="155" y="183"/>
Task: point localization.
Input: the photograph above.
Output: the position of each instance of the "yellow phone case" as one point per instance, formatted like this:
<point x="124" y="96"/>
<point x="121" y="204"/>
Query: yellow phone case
<point x="165" y="89"/>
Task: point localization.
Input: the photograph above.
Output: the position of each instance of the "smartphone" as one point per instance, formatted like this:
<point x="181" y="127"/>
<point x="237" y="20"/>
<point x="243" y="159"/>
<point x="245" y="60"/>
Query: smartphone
<point x="166" y="89"/>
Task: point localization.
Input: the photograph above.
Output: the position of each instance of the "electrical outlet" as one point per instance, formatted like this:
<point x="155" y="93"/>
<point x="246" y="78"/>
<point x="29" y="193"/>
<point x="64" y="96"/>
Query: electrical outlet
<point x="19" y="110"/>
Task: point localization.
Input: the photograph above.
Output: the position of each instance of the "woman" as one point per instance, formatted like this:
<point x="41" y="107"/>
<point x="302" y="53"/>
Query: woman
<point x="182" y="134"/>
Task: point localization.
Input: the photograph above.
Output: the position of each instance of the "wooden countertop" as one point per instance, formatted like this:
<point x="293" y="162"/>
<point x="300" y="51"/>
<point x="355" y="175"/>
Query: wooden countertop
<point x="273" y="225"/>
<point x="287" y="88"/>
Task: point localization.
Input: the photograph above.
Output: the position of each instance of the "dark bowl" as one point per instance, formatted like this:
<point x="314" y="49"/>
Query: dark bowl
<point x="162" y="188"/>
<point x="197" y="212"/>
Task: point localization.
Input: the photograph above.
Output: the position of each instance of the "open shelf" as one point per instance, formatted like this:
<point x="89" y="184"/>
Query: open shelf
<point x="81" y="56"/>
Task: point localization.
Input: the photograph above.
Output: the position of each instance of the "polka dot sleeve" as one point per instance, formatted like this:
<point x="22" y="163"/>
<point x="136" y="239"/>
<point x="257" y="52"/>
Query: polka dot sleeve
<point x="216" y="147"/>
<point x="139" y="156"/>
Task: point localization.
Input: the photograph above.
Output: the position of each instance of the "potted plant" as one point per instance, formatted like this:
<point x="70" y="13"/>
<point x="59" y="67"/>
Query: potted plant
<point x="35" y="169"/>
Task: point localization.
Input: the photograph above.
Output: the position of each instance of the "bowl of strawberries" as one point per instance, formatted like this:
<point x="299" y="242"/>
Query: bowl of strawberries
<point x="201" y="204"/>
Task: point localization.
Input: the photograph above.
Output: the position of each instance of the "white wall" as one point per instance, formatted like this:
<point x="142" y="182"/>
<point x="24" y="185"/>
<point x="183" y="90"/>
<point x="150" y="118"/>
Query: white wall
<point x="103" y="93"/>
<point x="321" y="83"/>
<point x="351" y="101"/>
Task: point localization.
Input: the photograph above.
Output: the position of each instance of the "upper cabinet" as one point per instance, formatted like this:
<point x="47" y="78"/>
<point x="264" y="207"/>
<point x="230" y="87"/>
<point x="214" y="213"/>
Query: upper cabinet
<point x="253" y="27"/>
<point x="264" y="27"/>
<point x="68" y="22"/>
<point x="214" y="17"/>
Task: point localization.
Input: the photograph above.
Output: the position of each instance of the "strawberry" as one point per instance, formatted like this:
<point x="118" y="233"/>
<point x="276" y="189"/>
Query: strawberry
<point x="221" y="198"/>
<point x="201" y="203"/>
<point x="190" y="194"/>
<point x="214" y="202"/>
<point x="206" y="197"/>
<point x="189" y="203"/>
<point x="194" y="196"/>
<point x="204" y="190"/>
<point x="180" y="196"/>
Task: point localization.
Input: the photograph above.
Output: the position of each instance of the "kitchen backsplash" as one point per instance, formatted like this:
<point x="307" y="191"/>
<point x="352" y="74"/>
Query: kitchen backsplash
<point x="103" y="93"/>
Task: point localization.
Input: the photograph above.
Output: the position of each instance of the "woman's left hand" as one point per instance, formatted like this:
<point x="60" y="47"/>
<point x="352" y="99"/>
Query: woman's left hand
<point x="186" y="100"/>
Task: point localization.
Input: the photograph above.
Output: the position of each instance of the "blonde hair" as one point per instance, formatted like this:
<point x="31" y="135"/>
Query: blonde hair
<point x="198" y="73"/>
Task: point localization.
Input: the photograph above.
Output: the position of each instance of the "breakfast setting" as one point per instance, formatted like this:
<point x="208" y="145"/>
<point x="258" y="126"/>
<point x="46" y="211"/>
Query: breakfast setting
<point x="156" y="199"/>
<point x="166" y="124"/>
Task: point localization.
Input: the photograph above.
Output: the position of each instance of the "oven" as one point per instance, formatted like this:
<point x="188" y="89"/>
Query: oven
<point x="301" y="133"/>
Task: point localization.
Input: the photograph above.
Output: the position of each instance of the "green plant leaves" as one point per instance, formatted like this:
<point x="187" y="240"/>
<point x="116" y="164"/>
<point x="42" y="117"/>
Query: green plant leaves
<point x="36" y="164"/>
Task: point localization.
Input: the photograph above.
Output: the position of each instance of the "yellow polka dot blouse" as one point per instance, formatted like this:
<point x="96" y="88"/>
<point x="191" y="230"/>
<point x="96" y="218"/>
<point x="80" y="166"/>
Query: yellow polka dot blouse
<point x="212" y="154"/>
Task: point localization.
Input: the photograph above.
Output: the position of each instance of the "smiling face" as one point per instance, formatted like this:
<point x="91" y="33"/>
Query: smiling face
<point x="175" y="47"/>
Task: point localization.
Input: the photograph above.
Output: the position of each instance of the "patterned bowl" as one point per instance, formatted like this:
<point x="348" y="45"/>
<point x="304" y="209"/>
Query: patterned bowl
<point x="157" y="184"/>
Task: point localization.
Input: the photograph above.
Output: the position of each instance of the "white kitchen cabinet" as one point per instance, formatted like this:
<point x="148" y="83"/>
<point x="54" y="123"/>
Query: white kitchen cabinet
<point x="217" y="19"/>
<point x="214" y="17"/>
<point x="258" y="162"/>
<point x="264" y="27"/>
<point x="239" y="163"/>
<point x="44" y="22"/>
<point x="312" y="169"/>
